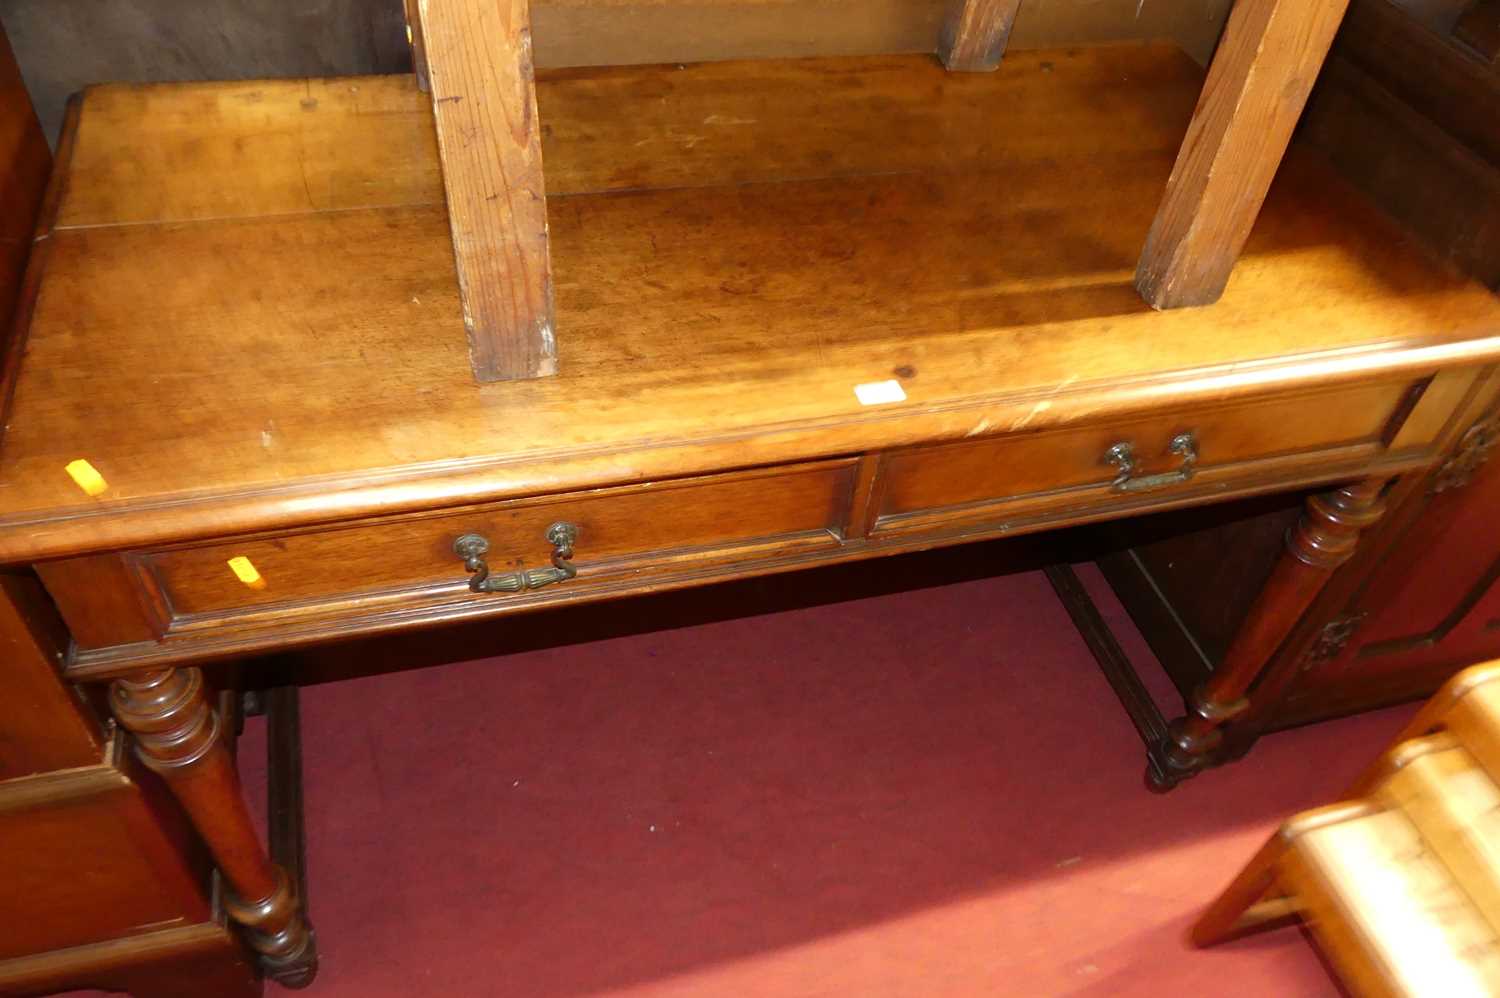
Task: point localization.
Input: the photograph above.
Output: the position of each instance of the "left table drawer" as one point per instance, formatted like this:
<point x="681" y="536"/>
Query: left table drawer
<point x="626" y="536"/>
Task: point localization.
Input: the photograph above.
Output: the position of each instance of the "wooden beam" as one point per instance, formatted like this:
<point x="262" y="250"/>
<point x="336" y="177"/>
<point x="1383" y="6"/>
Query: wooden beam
<point x="1256" y="88"/>
<point x="975" y="32"/>
<point x="489" y="139"/>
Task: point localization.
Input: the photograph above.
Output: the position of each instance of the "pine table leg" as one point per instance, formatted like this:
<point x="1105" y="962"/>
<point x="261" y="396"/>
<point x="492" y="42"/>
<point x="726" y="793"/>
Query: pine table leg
<point x="178" y="735"/>
<point x="477" y="55"/>
<point x="975" y="32"/>
<point x="1256" y="88"/>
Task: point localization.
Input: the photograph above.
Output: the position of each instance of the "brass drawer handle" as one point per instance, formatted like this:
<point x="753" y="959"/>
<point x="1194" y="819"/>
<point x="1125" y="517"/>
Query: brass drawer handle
<point x="472" y="549"/>
<point x="1122" y="456"/>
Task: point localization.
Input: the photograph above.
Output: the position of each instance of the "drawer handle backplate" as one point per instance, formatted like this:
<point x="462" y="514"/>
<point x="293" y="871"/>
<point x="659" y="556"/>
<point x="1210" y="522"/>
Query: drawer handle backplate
<point x="1122" y="456"/>
<point x="472" y="548"/>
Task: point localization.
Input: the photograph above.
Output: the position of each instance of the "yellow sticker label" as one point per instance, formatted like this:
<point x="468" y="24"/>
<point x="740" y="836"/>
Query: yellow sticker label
<point x="86" y="477"/>
<point x="245" y="571"/>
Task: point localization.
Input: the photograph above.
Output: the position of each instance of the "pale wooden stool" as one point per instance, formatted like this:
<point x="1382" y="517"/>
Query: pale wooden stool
<point x="1400" y="884"/>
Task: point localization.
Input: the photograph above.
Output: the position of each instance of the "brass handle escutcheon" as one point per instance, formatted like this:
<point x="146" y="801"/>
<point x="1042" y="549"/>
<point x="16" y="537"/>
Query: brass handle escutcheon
<point x="1122" y="456"/>
<point x="472" y="549"/>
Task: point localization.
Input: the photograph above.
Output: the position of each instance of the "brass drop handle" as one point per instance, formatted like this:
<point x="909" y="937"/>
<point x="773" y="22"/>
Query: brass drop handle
<point x="472" y="549"/>
<point x="1122" y="456"/>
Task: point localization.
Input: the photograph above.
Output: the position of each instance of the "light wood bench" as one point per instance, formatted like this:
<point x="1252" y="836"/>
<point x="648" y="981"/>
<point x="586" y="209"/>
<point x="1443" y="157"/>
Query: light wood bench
<point x="1401" y="883"/>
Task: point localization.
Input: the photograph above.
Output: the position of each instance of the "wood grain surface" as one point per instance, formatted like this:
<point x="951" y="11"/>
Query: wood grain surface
<point x="1015" y="466"/>
<point x="106" y="856"/>
<point x="1388" y="913"/>
<point x="975" y="33"/>
<point x="1455" y="805"/>
<point x="478" y="56"/>
<point x="1441" y="190"/>
<point x="1256" y="88"/>
<point x="1426" y="69"/>
<point x="45" y="724"/>
<point x="228" y="367"/>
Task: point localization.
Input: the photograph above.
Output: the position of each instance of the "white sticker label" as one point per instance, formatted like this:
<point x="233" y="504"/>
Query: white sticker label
<point x="879" y="393"/>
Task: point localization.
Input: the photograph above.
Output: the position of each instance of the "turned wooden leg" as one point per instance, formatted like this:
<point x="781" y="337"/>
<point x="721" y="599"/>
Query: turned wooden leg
<point x="178" y="736"/>
<point x="1323" y="539"/>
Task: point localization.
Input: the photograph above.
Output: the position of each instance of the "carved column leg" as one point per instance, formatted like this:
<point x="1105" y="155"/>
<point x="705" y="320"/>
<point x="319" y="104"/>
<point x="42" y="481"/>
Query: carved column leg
<point x="1323" y="539"/>
<point x="178" y="735"/>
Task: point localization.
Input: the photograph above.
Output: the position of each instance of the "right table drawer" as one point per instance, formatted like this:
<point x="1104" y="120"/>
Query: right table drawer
<point x="1162" y="452"/>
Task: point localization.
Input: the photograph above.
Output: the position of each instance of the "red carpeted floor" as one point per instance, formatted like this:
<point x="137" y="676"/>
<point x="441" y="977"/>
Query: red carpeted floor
<point x="928" y="792"/>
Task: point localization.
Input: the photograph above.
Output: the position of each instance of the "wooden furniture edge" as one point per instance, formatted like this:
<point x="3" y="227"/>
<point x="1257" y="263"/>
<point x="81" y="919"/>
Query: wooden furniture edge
<point x="26" y="169"/>
<point x="36" y="536"/>
<point x="36" y="262"/>
<point x="61" y="968"/>
<point x="116" y="660"/>
<point x="23" y="793"/>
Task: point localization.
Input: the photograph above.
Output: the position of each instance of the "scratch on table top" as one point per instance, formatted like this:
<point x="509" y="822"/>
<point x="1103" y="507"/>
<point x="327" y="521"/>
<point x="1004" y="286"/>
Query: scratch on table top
<point x="1045" y="403"/>
<point x="1036" y="411"/>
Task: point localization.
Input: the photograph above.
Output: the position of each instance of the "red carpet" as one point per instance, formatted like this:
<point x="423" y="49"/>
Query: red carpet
<point x="930" y="792"/>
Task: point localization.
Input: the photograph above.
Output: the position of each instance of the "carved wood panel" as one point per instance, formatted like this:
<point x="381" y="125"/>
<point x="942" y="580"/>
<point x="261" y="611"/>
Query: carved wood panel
<point x="1433" y="606"/>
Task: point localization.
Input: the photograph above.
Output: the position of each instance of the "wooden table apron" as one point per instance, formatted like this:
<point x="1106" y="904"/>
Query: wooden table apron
<point x="181" y="604"/>
<point x="242" y="416"/>
<point x="198" y="600"/>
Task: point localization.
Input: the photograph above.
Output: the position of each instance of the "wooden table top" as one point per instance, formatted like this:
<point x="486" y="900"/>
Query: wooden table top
<point x="246" y="314"/>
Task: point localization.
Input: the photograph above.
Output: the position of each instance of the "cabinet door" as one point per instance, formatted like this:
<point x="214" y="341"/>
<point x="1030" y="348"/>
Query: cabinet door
<point x="1433" y="604"/>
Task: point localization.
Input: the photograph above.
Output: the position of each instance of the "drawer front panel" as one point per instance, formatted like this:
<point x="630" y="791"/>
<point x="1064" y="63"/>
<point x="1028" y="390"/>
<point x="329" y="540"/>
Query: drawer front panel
<point x="401" y="571"/>
<point x="619" y="530"/>
<point x="1040" y="467"/>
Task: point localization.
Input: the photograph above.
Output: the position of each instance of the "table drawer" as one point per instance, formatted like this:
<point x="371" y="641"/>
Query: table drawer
<point x="409" y="561"/>
<point x="1161" y="451"/>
